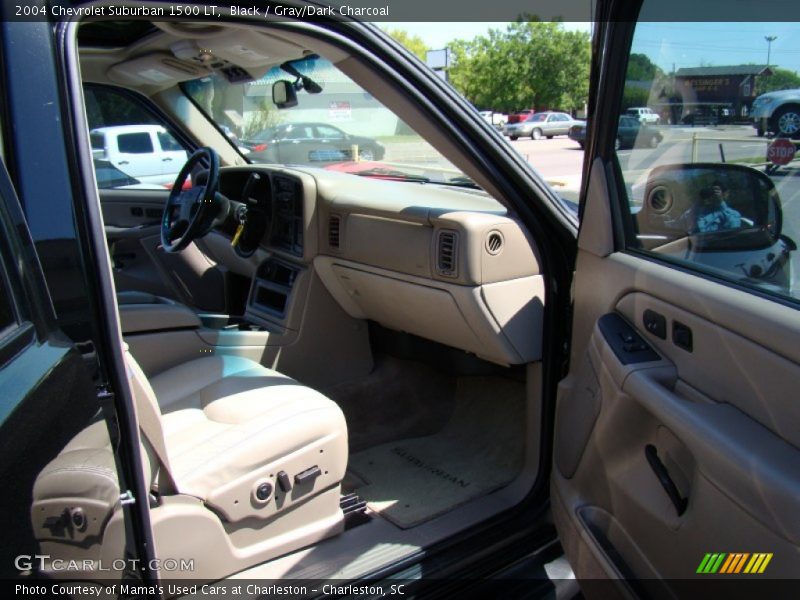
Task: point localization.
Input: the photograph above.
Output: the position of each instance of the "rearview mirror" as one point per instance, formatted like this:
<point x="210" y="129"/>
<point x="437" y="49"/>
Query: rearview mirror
<point x="284" y="94"/>
<point x="718" y="207"/>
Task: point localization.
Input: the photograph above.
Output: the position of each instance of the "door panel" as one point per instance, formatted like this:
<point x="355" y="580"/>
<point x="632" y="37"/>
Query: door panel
<point x="676" y="434"/>
<point x="132" y="222"/>
<point x="721" y="418"/>
<point x="132" y="208"/>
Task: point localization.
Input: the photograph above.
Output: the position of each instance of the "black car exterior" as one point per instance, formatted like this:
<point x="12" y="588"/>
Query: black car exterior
<point x="630" y="133"/>
<point x="310" y="143"/>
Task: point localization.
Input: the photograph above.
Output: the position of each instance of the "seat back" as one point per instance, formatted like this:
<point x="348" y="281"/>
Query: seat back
<point x="148" y="415"/>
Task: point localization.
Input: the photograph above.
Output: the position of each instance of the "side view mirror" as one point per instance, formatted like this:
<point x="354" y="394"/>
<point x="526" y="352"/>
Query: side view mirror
<point x="284" y="94"/>
<point x="714" y="207"/>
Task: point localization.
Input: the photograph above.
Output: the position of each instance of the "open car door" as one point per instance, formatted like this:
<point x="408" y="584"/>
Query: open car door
<point x="677" y="445"/>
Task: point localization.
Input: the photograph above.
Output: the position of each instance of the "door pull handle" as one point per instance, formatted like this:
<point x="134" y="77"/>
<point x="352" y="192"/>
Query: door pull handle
<point x="680" y="503"/>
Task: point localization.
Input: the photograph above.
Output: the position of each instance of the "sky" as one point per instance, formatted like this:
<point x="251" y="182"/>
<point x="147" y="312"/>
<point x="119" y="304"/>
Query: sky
<point x="667" y="44"/>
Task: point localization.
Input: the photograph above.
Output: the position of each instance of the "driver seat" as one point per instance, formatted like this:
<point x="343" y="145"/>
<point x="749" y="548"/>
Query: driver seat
<point x="243" y="461"/>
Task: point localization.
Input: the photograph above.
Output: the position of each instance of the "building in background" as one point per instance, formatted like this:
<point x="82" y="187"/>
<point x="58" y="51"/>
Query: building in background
<point x="717" y="94"/>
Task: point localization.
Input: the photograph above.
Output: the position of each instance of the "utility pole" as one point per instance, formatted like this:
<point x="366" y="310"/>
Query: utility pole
<point x="770" y="39"/>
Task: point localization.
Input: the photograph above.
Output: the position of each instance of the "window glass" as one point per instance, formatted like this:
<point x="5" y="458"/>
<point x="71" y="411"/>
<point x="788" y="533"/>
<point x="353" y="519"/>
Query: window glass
<point x="168" y="142"/>
<point x="7" y="316"/>
<point x="98" y="142"/>
<point x="123" y="148"/>
<point x="329" y="132"/>
<point x="708" y="154"/>
<point x="323" y="128"/>
<point x="298" y="132"/>
<point x="135" y="143"/>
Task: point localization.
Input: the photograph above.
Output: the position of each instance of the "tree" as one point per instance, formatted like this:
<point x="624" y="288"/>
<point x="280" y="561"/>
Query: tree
<point x="634" y="96"/>
<point x="529" y="64"/>
<point x="781" y="79"/>
<point x="414" y="43"/>
<point x="641" y="68"/>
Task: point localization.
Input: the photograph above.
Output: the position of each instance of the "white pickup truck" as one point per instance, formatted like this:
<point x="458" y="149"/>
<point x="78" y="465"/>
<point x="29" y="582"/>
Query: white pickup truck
<point x="147" y="152"/>
<point x="499" y="120"/>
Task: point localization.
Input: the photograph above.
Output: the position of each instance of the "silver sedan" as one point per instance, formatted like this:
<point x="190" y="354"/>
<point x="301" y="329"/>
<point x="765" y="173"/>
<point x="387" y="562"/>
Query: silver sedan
<point x="542" y="124"/>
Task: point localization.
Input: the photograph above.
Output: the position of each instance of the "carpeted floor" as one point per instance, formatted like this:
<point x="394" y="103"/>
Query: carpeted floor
<point x="480" y="449"/>
<point x="399" y="399"/>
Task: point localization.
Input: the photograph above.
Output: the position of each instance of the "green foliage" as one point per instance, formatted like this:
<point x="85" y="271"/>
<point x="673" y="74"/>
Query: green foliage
<point x="781" y="79"/>
<point x="414" y="43"/>
<point x="264" y="118"/>
<point x="634" y="96"/>
<point x="529" y="64"/>
<point x="641" y="68"/>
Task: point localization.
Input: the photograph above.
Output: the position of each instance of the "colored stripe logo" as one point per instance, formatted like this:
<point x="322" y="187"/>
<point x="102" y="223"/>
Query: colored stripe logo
<point x="734" y="563"/>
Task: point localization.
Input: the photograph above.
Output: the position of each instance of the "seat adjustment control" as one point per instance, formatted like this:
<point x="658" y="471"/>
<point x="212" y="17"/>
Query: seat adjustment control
<point x="264" y="491"/>
<point x="307" y="476"/>
<point x="284" y="482"/>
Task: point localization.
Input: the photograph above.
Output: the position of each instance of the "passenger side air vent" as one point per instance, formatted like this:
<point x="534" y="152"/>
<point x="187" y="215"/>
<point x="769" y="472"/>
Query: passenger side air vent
<point x="334" y="231"/>
<point x="494" y="243"/>
<point x="447" y="253"/>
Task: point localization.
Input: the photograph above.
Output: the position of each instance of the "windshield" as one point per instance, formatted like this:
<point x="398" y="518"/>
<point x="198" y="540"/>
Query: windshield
<point x="341" y="127"/>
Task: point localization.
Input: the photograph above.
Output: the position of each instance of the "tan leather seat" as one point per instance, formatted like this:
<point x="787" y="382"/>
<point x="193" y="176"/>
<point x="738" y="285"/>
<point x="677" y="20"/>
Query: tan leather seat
<point x="217" y="432"/>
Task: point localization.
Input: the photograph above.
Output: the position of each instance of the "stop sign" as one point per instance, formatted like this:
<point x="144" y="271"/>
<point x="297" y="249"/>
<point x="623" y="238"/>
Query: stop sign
<point x="780" y="152"/>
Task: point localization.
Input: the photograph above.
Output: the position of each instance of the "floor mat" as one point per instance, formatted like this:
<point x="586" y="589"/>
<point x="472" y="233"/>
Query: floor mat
<point x="481" y="449"/>
<point x="399" y="399"/>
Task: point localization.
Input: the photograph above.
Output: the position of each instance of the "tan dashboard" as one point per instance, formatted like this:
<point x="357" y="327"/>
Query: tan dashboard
<point x="447" y="265"/>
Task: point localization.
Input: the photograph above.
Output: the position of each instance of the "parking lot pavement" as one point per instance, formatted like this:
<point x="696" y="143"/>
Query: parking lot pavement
<point x="560" y="160"/>
<point x="557" y="158"/>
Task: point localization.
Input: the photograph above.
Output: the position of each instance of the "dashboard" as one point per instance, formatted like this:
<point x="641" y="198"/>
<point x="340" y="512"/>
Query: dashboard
<point x="268" y="206"/>
<point x="446" y="264"/>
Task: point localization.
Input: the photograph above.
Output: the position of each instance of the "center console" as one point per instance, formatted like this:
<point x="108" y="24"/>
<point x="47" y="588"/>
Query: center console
<point x="287" y="215"/>
<point x="271" y="291"/>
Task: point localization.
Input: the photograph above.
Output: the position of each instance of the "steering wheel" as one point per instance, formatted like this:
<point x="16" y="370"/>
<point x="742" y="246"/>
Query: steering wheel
<point x="191" y="213"/>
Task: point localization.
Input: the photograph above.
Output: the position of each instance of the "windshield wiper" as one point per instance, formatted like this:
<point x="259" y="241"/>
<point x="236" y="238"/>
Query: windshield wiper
<point x="462" y="181"/>
<point x="396" y="175"/>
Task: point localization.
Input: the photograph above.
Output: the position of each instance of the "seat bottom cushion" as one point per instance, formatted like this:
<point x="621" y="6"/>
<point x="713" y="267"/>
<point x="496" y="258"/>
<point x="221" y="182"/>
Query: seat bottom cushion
<point x="227" y="420"/>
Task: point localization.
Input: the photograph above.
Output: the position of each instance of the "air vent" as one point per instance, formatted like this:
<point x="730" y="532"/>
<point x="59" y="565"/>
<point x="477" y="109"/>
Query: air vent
<point x="494" y="243"/>
<point x="660" y="199"/>
<point x="447" y="253"/>
<point x="334" y="231"/>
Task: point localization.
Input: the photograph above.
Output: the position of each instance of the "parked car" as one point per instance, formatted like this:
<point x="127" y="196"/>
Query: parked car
<point x="494" y="118"/>
<point x="543" y="124"/>
<point x="147" y="152"/>
<point x="310" y="143"/>
<point x="521" y="115"/>
<point x="630" y="133"/>
<point x="644" y="115"/>
<point x="777" y="113"/>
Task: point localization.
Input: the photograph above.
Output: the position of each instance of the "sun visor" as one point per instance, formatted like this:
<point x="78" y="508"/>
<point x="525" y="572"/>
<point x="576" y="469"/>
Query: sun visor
<point x="158" y="69"/>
